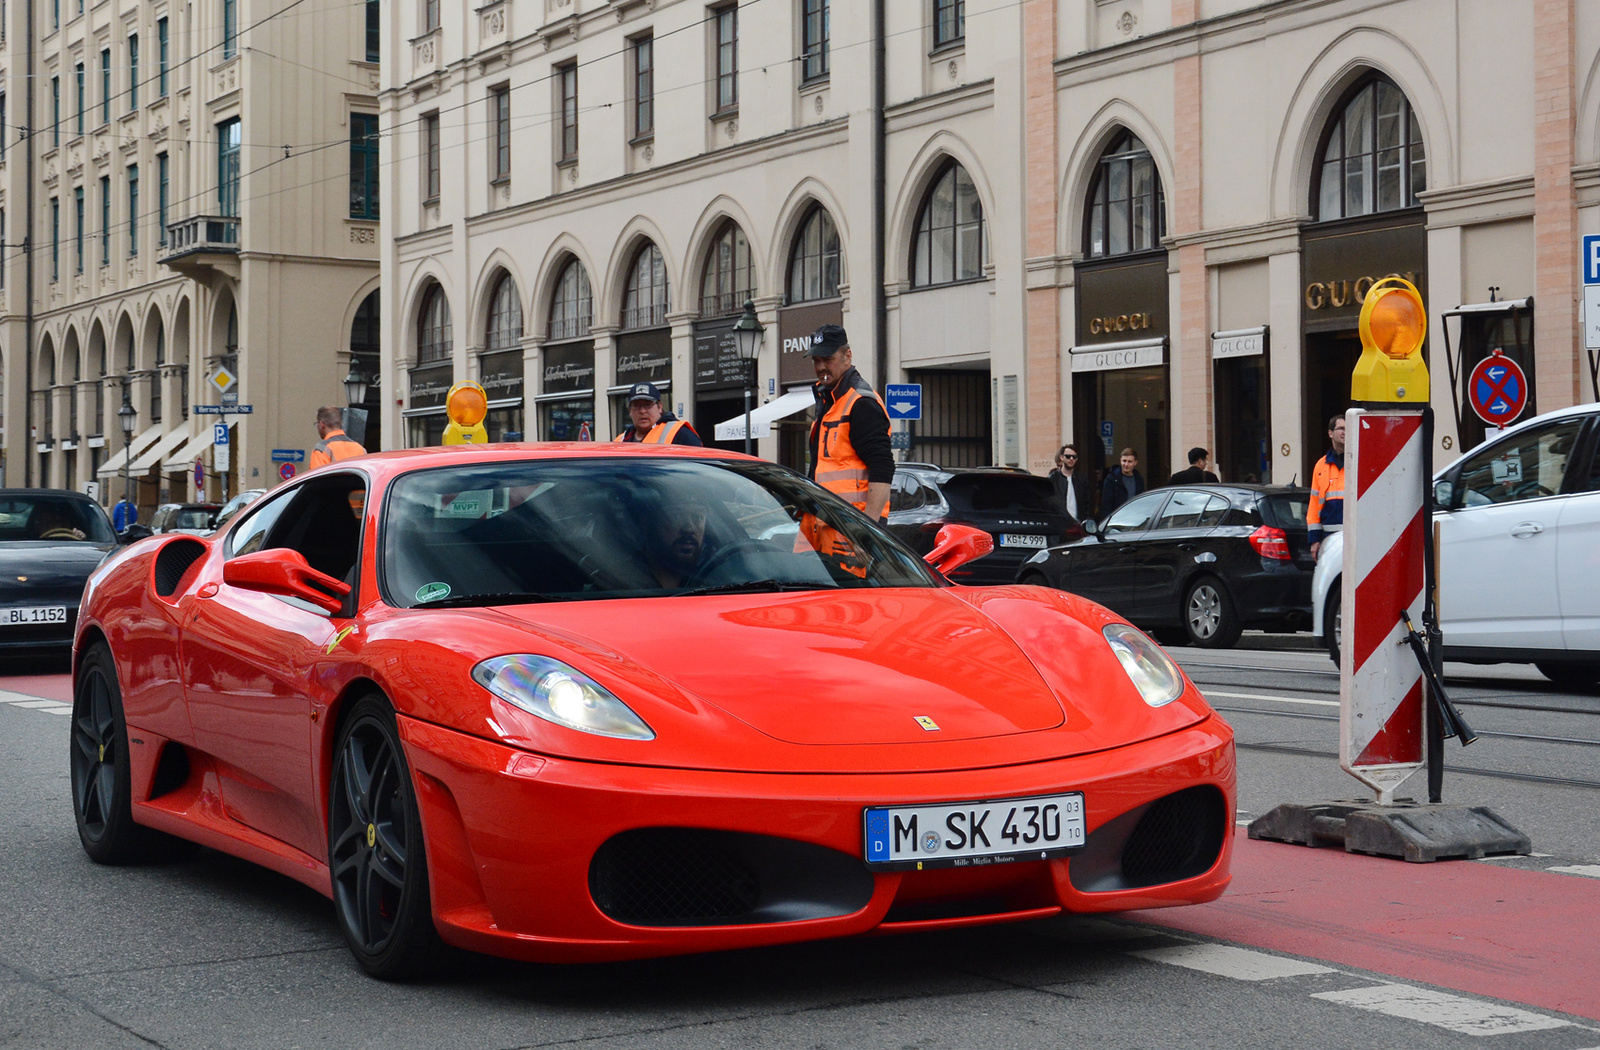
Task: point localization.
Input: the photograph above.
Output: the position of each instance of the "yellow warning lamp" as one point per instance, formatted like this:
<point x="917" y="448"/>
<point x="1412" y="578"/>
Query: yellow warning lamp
<point x="1394" y="324"/>
<point x="466" y="405"/>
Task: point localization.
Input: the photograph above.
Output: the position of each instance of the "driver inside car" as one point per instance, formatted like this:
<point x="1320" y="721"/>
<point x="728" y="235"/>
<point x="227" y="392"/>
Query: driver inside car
<point x="51" y="521"/>
<point x="675" y="535"/>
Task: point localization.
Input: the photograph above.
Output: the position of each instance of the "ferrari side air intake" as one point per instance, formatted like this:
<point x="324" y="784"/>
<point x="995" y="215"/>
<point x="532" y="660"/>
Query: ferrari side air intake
<point x="1176" y="837"/>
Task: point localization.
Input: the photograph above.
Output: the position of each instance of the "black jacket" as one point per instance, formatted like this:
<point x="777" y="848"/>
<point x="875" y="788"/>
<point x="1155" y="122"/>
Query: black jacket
<point x="1192" y="476"/>
<point x="1114" y="493"/>
<point x="869" y="427"/>
<point x="1080" y="488"/>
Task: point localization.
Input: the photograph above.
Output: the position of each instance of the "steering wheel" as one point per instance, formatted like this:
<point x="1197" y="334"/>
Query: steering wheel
<point x="723" y="555"/>
<point x="61" y="532"/>
<point x="1529" y="489"/>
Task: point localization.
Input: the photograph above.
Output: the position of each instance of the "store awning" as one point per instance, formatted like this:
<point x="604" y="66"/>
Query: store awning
<point x="143" y="441"/>
<point x="762" y="416"/>
<point x="169" y="441"/>
<point x="184" y="458"/>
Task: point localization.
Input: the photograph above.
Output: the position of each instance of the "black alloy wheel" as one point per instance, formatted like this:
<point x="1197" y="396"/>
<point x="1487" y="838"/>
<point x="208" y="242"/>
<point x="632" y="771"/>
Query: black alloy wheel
<point x="1208" y="615"/>
<point x="375" y="849"/>
<point x="102" y="786"/>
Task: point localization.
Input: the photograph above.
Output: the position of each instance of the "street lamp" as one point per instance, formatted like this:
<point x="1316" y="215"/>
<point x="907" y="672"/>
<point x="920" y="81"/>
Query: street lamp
<point x="126" y="415"/>
<point x="355" y="385"/>
<point x="747" y="332"/>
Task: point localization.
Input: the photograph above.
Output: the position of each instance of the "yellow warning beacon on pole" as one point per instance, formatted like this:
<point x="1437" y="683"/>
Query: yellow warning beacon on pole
<point x="466" y="405"/>
<point x="1394" y="324"/>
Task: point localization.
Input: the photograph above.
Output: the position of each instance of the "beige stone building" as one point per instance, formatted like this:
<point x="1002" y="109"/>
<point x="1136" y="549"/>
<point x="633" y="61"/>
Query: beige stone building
<point x="183" y="188"/>
<point x="1143" y="223"/>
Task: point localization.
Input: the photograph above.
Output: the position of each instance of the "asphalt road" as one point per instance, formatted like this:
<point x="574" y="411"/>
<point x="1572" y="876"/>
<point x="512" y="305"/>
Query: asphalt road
<point x="211" y="952"/>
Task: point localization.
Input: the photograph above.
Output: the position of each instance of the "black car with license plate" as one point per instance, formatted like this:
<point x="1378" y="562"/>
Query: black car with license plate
<point x="1193" y="564"/>
<point x="50" y="541"/>
<point x="1019" y="510"/>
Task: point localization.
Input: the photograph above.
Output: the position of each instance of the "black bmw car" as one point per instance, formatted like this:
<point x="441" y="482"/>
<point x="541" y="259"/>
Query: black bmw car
<point x="1019" y="510"/>
<point x="50" y="541"/>
<point x="1193" y="564"/>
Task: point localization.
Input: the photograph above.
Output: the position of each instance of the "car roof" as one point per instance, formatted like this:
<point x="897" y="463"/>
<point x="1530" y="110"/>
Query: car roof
<point x="54" y="493"/>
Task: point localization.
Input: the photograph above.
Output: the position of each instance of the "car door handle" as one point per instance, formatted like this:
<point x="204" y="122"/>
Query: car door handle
<point x="208" y="591"/>
<point x="1527" y="528"/>
<point x="1187" y="546"/>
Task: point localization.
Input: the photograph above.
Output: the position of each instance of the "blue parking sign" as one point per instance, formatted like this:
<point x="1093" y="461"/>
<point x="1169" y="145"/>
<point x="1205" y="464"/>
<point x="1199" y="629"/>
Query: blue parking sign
<point x="1591" y="260"/>
<point x="904" y="400"/>
<point x="219" y="433"/>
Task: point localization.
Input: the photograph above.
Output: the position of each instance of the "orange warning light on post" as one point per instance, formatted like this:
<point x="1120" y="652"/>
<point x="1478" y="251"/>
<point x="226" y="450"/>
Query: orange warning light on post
<point x="466" y="405"/>
<point x="1393" y="327"/>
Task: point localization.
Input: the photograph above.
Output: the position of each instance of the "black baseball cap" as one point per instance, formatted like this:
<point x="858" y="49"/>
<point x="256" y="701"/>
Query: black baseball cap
<point x="828" y="340"/>
<point x="643" y="392"/>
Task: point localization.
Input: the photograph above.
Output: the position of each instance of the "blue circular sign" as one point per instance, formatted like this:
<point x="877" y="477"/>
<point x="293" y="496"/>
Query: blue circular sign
<point x="1497" y="389"/>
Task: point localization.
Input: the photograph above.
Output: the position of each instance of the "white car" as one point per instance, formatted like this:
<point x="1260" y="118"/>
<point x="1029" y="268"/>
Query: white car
<point x="1519" y="551"/>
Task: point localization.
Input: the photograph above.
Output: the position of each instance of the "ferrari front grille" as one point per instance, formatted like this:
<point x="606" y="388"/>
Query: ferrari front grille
<point x="1179" y="836"/>
<point x="703" y="877"/>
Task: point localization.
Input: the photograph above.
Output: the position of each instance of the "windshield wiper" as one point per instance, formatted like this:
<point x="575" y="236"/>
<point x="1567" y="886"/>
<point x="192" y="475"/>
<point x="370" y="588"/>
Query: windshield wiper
<point x="752" y="586"/>
<point x="457" y="601"/>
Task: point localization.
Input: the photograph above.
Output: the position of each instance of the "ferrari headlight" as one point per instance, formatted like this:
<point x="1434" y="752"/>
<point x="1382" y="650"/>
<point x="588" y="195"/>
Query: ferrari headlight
<point x="560" y="694"/>
<point x="1152" y="671"/>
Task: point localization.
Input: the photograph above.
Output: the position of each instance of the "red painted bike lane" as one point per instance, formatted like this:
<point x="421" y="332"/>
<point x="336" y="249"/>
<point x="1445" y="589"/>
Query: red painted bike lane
<point x="44" y="686"/>
<point x="1528" y="937"/>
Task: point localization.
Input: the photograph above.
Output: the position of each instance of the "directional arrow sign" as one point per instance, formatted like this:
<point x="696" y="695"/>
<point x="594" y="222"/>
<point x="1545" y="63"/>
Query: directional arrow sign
<point x="904" y="400"/>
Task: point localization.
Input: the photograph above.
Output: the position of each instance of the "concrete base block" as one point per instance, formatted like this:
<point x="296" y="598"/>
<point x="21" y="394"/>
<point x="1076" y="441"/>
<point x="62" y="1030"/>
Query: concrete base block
<point x="1413" y="831"/>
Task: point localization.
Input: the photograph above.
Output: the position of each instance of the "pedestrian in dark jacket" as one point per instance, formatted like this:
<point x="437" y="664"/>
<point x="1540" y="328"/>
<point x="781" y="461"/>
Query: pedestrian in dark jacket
<point x="1072" y="488"/>
<point x="1121" y="485"/>
<point x="1197" y="473"/>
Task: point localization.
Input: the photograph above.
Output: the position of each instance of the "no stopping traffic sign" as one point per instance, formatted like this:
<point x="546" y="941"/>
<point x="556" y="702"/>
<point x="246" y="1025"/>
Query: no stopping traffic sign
<point x="1497" y="389"/>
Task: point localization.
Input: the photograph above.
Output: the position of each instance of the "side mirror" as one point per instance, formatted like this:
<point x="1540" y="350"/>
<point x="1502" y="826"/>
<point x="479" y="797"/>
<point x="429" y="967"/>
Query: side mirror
<point x="284" y="572"/>
<point x="1444" y="493"/>
<point x="1091" y="527"/>
<point x="134" y="533"/>
<point x="955" y="545"/>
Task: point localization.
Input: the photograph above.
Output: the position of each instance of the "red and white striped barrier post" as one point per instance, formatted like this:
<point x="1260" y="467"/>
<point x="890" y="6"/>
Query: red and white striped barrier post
<point x="1382" y="732"/>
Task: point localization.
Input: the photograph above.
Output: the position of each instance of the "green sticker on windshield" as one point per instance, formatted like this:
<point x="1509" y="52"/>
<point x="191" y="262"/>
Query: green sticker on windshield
<point x="432" y="592"/>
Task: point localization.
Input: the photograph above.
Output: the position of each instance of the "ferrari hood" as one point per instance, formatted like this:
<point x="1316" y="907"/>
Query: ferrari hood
<point x="851" y="667"/>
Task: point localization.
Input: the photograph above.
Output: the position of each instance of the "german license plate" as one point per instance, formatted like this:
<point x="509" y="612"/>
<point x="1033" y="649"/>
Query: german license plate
<point x="42" y="614"/>
<point x="1017" y="539"/>
<point x="962" y="834"/>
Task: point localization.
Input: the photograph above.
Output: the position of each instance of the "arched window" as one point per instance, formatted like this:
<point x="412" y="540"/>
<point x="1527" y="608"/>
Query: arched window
<point x="950" y="234"/>
<point x="1372" y="155"/>
<point x="505" y="316"/>
<point x="729" y="277"/>
<point x="572" y="307"/>
<point x="814" y="258"/>
<point x="155" y="375"/>
<point x="1127" y="210"/>
<point x="433" y="327"/>
<point x="647" y="299"/>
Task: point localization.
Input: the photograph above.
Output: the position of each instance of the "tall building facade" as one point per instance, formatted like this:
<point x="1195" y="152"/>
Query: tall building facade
<point x="1121" y="223"/>
<point x="178" y="197"/>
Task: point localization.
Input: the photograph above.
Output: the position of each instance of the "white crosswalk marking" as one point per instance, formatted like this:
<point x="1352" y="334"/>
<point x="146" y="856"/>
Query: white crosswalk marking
<point x="39" y="703"/>
<point x="1590" y="870"/>
<point x="1455" y="1012"/>
<point x="1224" y="960"/>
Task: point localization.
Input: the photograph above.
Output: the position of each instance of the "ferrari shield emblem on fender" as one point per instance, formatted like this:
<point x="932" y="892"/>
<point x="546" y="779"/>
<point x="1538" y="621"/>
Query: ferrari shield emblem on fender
<point x="927" y="723"/>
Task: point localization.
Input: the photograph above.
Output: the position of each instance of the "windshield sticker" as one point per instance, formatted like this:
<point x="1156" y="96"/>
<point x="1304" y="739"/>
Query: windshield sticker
<point x="432" y="592"/>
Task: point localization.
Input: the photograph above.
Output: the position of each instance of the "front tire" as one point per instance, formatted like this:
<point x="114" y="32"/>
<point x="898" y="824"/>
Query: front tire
<point x="1209" y="618"/>
<point x="1333" y="621"/>
<point x="1572" y="676"/>
<point x="376" y="856"/>
<point x="102" y="784"/>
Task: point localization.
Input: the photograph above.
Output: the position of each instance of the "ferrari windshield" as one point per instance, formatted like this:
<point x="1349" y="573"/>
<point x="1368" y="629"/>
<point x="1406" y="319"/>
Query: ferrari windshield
<point x="54" y="519"/>
<point x="562" y="530"/>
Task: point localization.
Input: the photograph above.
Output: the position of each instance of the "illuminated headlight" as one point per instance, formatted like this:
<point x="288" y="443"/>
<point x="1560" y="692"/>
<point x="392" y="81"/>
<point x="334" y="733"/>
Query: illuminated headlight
<point x="560" y="694"/>
<point x="1150" y="670"/>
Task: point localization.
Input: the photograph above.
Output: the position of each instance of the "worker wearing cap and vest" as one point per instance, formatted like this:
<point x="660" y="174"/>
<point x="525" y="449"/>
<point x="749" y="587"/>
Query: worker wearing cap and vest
<point x="850" y="453"/>
<point x="1325" y="513"/>
<point x="652" y="425"/>
<point x="334" y="443"/>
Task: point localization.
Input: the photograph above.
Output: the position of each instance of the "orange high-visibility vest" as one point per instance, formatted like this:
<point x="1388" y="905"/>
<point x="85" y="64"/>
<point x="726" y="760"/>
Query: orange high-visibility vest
<point x="660" y="434"/>
<point x="1325" y="512"/>
<point x="840" y="469"/>
<point x="336" y="446"/>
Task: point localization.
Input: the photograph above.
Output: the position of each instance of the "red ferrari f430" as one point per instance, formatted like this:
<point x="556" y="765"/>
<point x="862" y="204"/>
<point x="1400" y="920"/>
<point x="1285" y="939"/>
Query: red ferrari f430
<point x="591" y="702"/>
